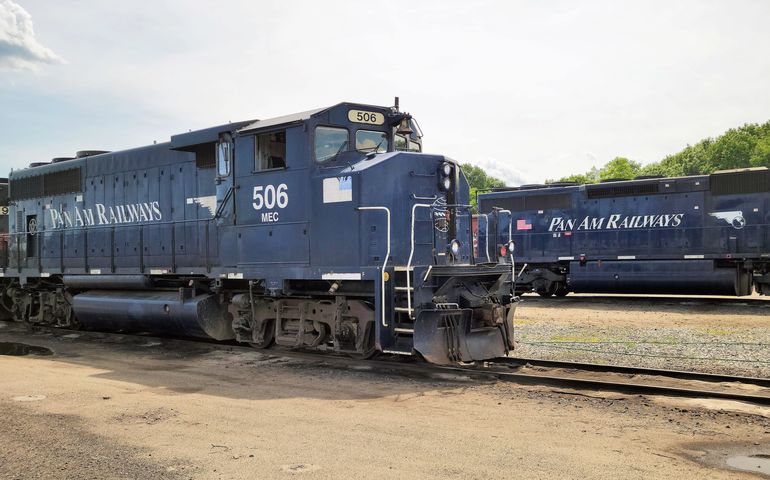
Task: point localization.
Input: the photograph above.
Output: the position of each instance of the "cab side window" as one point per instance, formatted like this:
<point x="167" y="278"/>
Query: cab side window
<point x="329" y="141"/>
<point x="406" y="144"/>
<point x="224" y="157"/>
<point x="270" y="151"/>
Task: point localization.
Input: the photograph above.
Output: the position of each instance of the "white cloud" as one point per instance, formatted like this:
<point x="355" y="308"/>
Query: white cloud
<point x="19" y="49"/>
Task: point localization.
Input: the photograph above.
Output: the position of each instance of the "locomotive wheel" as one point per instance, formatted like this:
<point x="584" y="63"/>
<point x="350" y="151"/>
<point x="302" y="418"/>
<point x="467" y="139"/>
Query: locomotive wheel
<point x="550" y="290"/>
<point x="561" y="290"/>
<point x="370" y="351"/>
<point x="269" y="338"/>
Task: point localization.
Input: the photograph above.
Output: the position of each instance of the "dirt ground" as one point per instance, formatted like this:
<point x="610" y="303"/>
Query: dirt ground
<point x="113" y="406"/>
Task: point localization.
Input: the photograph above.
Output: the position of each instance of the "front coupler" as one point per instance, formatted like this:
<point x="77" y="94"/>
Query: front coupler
<point x="452" y="335"/>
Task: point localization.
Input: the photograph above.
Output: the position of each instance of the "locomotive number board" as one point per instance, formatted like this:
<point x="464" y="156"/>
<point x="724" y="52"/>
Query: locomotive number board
<point x="3" y="210"/>
<point x="362" y="116"/>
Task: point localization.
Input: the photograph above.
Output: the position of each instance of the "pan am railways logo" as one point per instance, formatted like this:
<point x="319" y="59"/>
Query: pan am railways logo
<point x="616" y="222"/>
<point x="106" y="215"/>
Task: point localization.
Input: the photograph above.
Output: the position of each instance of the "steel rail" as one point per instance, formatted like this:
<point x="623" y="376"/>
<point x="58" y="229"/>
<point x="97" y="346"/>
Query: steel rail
<point x="624" y="387"/>
<point x="627" y="370"/>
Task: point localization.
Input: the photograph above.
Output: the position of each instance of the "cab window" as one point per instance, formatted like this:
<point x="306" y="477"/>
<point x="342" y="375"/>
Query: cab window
<point x="371" y="141"/>
<point x="400" y="143"/>
<point x="270" y="151"/>
<point x="404" y="144"/>
<point x="224" y="157"/>
<point x="329" y="141"/>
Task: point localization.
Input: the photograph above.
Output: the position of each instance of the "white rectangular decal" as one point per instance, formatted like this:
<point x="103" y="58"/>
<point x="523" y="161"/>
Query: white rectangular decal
<point x="338" y="189"/>
<point x="341" y="276"/>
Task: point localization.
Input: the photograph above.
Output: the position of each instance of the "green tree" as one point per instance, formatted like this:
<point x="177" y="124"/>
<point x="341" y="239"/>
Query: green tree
<point x="760" y="156"/>
<point x="479" y="180"/>
<point x="620" y="167"/>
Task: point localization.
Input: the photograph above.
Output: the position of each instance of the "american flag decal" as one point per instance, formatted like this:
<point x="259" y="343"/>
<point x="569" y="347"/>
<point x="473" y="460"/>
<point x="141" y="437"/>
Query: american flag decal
<point x="523" y="224"/>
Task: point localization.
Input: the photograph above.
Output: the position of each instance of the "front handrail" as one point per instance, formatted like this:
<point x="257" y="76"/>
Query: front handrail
<point x="384" y="264"/>
<point x="432" y="208"/>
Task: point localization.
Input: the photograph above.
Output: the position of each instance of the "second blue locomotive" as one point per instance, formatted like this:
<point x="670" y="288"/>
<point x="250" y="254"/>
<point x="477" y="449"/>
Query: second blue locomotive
<point x="705" y="234"/>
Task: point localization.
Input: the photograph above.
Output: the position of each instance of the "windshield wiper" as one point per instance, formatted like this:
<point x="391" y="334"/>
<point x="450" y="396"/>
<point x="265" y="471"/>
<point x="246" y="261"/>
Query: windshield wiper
<point x="330" y="157"/>
<point x="344" y="144"/>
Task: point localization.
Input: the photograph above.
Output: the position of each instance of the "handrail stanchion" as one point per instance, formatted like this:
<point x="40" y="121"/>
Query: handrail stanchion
<point x="207" y="260"/>
<point x="40" y="240"/>
<point x="61" y="251"/>
<point x="409" y="262"/>
<point x="486" y="235"/>
<point x="112" y="249"/>
<point x="470" y="235"/>
<point x="173" y="248"/>
<point x="85" y="250"/>
<point x="384" y="264"/>
<point x="141" y="248"/>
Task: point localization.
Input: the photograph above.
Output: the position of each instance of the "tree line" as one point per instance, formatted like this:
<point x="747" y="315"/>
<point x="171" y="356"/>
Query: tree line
<point x="742" y="147"/>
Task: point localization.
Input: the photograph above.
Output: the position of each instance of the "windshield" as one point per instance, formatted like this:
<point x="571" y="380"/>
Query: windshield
<point x="329" y="141"/>
<point x="371" y="141"/>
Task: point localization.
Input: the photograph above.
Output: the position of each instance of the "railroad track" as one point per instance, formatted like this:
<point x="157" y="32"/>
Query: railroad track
<point x="577" y="300"/>
<point x="573" y="375"/>
<point x="634" y="380"/>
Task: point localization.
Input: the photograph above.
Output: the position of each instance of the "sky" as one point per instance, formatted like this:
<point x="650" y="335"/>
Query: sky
<point x="529" y="90"/>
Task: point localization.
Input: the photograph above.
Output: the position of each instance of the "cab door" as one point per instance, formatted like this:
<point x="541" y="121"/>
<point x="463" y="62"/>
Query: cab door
<point x="273" y="195"/>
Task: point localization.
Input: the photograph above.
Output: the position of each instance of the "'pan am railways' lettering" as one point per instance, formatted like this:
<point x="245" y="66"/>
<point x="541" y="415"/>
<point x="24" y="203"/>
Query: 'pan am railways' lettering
<point x="616" y="222"/>
<point x="106" y="215"/>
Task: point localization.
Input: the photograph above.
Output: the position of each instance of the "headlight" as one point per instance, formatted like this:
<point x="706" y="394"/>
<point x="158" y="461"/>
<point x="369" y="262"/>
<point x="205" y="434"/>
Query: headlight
<point x="446" y="183"/>
<point x="511" y="246"/>
<point x="454" y="247"/>
<point x="446" y="169"/>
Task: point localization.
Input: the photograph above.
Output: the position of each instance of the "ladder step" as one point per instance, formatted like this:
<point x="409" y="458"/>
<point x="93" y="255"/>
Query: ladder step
<point x="403" y="330"/>
<point x="403" y="269"/>
<point x="403" y="309"/>
<point x="405" y="289"/>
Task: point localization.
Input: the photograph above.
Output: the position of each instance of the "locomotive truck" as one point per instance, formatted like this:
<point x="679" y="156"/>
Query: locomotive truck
<point x="703" y="234"/>
<point x="328" y="229"/>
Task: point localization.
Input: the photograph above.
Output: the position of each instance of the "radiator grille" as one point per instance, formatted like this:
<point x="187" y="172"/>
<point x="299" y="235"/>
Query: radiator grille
<point x="604" y="191"/>
<point x="740" y="182"/>
<point x="47" y="185"/>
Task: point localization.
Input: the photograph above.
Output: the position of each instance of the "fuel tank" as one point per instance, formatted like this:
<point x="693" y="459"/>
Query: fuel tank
<point x="160" y="312"/>
<point x="690" y="277"/>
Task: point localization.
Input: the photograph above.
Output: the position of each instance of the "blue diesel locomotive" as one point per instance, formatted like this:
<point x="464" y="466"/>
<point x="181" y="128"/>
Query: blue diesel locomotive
<point x="705" y="234"/>
<point x="328" y="229"/>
